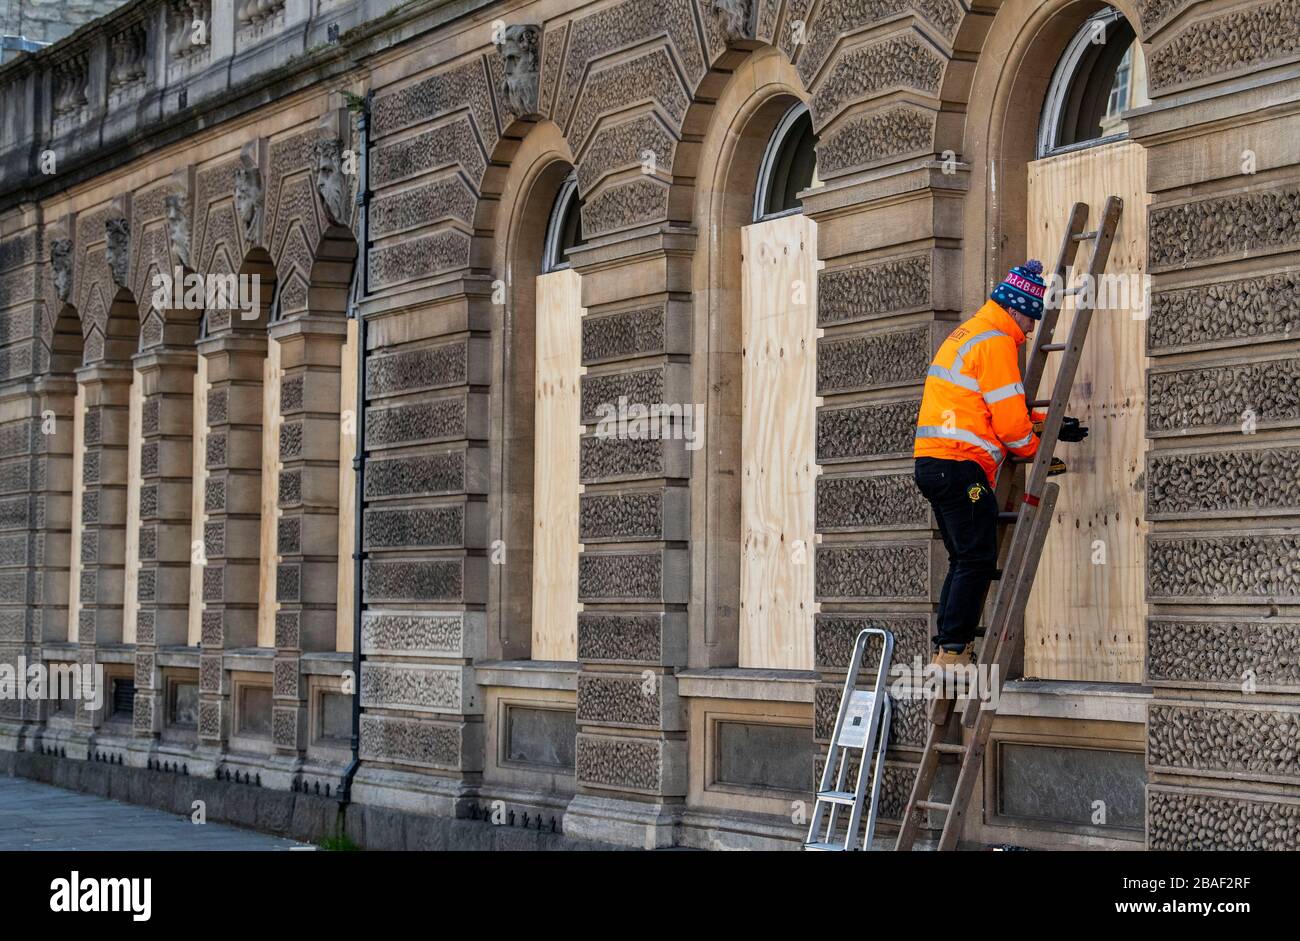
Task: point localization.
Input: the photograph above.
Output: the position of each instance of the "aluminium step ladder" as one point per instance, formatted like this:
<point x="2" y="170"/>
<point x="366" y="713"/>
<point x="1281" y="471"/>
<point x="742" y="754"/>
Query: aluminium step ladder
<point x="1035" y="500"/>
<point x="861" y="728"/>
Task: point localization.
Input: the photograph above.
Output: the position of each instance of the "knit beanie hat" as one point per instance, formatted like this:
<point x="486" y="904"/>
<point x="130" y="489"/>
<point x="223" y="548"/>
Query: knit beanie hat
<point x="1022" y="290"/>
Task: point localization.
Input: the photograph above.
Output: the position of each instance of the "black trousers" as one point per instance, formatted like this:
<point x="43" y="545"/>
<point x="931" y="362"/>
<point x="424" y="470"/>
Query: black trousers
<point x="967" y="511"/>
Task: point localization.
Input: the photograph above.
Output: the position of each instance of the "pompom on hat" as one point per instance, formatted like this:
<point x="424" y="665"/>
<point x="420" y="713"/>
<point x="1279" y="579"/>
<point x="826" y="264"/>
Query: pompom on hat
<point x="1023" y="289"/>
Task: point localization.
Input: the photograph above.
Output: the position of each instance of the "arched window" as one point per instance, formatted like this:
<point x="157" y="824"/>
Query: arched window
<point x="789" y="166"/>
<point x="564" y="230"/>
<point x="1101" y="75"/>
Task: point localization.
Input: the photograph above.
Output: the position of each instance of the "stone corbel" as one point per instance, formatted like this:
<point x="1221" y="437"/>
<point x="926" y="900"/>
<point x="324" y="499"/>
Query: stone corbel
<point x="519" y="46"/>
<point x="250" y="198"/>
<point x="330" y="166"/>
<point x="59" y="239"/>
<point x="117" y="231"/>
<point x="178" y="204"/>
<point x="732" y="18"/>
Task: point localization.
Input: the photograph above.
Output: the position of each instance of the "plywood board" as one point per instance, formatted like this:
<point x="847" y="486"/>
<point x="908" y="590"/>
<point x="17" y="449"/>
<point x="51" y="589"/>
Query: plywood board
<point x="78" y="497"/>
<point x="199" y="479"/>
<point x="347" y="486"/>
<point x="131" y="577"/>
<point x="779" y="339"/>
<point x="1086" y="614"/>
<point x="270" y="560"/>
<point x="555" y="466"/>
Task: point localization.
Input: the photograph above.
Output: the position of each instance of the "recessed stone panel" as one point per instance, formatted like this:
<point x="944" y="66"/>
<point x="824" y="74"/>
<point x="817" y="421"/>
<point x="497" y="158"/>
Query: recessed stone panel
<point x="866" y="431"/>
<point x="835" y="634"/>
<point x="1224" y="740"/>
<point x="1233" y="482"/>
<point x="620" y="763"/>
<point x="855" y="502"/>
<point x="1185" y="819"/>
<point x="873" y="360"/>
<point x="423" y="688"/>
<point x="1235" y="397"/>
<point x="419" y="742"/>
<point x="1223" y="567"/>
<point x="1224" y="653"/>
<point x="874" y="571"/>
<point x="872" y="291"/>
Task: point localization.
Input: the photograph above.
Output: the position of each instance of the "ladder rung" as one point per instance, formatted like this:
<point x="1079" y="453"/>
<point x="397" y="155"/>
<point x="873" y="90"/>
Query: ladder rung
<point x="1008" y="516"/>
<point x="933" y="805"/>
<point x="1040" y="403"/>
<point x="825" y="847"/>
<point x="949" y="748"/>
<point x="837" y="797"/>
<point x="1084" y="236"/>
<point x="1052" y="347"/>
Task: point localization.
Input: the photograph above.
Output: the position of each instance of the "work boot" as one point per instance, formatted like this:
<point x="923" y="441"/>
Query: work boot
<point x="954" y="667"/>
<point x="947" y="659"/>
<point x="1056" y="468"/>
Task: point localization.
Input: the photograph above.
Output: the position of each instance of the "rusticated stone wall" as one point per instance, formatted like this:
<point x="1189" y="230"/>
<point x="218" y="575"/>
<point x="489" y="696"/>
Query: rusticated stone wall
<point x="629" y="86"/>
<point x="1223" y="557"/>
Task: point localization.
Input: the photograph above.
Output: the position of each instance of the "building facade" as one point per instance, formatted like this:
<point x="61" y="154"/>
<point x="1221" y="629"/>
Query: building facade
<point x="629" y="305"/>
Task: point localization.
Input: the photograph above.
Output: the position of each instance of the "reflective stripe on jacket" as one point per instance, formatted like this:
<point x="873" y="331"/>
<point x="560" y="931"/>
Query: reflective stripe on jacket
<point x="973" y="407"/>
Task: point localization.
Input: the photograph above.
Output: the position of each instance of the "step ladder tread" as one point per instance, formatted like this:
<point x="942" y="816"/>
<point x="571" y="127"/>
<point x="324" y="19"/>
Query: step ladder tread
<point x="932" y="805"/>
<point x="838" y="797"/>
<point x="824" y="847"/>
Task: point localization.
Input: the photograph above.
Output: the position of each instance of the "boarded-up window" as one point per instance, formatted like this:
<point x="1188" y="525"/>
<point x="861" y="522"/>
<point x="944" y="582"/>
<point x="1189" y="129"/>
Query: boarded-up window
<point x="779" y="343"/>
<point x="555" y="466"/>
<point x="1085" y="616"/>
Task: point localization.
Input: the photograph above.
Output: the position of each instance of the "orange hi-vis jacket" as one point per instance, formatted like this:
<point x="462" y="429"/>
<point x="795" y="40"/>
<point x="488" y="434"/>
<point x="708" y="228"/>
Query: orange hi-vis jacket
<point x="973" y="407"/>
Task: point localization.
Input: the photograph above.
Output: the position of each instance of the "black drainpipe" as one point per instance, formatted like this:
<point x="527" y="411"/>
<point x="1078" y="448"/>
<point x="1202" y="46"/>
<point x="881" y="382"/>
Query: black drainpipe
<point x="361" y="289"/>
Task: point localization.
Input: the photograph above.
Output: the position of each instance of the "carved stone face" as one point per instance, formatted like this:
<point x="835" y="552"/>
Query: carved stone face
<point x="518" y="51"/>
<point x="248" y="197"/>
<point x="330" y="181"/>
<point x="178" y="226"/>
<point x="61" y="262"/>
<point x="732" y="17"/>
<point x="117" y="253"/>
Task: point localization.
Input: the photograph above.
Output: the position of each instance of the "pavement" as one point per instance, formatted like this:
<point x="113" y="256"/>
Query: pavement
<point x="37" y="816"/>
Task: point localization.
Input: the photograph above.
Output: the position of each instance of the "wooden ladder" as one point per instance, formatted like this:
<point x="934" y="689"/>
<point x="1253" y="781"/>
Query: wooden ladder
<point x="1020" y="553"/>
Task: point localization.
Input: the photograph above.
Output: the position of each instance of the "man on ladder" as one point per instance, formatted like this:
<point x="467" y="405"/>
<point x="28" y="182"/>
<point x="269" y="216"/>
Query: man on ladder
<point x="973" y="414"/>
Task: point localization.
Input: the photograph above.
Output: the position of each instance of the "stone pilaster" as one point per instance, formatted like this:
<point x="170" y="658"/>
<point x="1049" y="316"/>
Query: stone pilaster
<point x="232" y="501"/>
<point x="307" y="535"/>
<point x="424" y="579"/>
<point x="634" y="571"/>
<point x="1223" y="421"/>
<point x="106" y="392"/>
<point x="35" y="531"/>
<point x="166" y="464"/>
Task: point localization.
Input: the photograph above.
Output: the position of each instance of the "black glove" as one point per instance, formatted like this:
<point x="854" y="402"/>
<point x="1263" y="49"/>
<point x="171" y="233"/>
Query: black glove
<point x="1071" y="430"/>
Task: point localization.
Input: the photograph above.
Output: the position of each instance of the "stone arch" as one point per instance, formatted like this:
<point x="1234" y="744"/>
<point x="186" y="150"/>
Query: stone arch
<point x="724" y="170"/>
<point x="539" y="163"/>
<point x="162" y="263"/>
<point x="67" y="343"/>
<point x="634" y="77"/>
